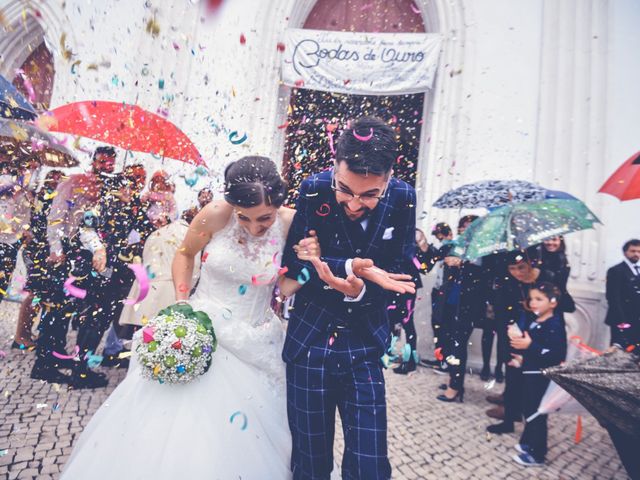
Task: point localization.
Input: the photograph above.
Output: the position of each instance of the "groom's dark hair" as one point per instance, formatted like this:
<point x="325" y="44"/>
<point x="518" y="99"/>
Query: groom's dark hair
<point x="368" y="146"/>
<point x="252" y="181"/>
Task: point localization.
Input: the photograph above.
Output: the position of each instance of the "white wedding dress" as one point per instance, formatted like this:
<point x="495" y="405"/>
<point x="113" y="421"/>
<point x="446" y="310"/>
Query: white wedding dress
<point x="147" y="430"/>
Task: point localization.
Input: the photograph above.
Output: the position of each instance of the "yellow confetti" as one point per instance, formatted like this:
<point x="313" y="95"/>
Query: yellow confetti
<point x="153" y="28"/>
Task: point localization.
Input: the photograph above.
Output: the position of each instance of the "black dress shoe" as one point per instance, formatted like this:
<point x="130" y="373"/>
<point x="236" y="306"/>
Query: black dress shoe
<point x="114" y="361"/>
<point x="499" y="376"/>
<point x="458" y="397"/>
<point x="88" y="379"/>
<point x="500" y="428"/>
<point x="50" y="375"/>
<point x="485" y="374"/>
<point x="443" y="386"/>
<point x="405" y="368"/>
<point x="429" y="363"/>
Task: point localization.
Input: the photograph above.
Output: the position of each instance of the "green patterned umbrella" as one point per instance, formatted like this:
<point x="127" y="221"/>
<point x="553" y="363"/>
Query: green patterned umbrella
<point x="520" y="225"/>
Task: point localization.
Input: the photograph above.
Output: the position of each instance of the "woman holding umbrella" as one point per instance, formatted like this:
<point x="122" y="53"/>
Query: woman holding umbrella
<point x="551" y="257"/>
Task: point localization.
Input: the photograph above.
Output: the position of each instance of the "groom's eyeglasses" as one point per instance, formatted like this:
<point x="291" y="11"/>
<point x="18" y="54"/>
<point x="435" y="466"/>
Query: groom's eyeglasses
<point x="367" y="199"/>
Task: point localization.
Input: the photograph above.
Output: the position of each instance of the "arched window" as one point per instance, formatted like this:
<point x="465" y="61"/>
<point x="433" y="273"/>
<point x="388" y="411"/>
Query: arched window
<point x="313" y="114"/>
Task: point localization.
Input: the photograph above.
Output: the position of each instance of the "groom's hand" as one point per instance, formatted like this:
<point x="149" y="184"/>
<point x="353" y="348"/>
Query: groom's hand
<point x="351" y="286"/>
<point x="308" y="248"/>
<point x="396" y="282"/>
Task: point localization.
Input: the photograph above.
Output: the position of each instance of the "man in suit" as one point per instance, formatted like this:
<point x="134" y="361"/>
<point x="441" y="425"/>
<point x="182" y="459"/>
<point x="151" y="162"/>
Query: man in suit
<point x="358" y="214"/>
<point x="623" y="296"/>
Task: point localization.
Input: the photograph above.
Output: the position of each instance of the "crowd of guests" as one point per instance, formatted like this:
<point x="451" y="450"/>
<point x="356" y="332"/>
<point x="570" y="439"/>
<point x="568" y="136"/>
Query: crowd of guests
<point x="78" y="236"/>
<point x="519" y="299"/>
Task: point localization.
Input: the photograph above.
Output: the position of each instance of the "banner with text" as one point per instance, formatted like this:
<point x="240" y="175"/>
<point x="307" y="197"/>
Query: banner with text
<point x="360" y="63"/>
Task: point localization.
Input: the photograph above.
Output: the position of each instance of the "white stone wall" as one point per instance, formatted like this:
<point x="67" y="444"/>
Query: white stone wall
<point x="543" y="90"/>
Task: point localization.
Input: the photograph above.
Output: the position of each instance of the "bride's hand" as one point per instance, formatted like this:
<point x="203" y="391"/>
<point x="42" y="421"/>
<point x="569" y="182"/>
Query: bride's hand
<point x="308" y="248"/>
<point x="351" y="286"/>
<point x="395" y="282"/>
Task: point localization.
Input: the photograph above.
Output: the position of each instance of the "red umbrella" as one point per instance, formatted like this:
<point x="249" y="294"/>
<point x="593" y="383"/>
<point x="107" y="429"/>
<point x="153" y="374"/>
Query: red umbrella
<point x="126" y="126"/>
<point x="625" y="182"/>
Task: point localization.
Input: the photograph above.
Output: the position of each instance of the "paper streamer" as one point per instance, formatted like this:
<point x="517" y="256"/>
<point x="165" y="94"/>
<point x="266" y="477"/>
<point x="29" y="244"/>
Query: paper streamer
<point x="143" y="281"/>
<point x="244" y="419"/>
<point x="364" y="138"/>
<point x="331" y="147"/>
<point x="237" y="141"/>
<point x="417" y="263"/>
<point x="61" y="356"/>
<point x="304" y="276"/>
<point x="72" y="290"/>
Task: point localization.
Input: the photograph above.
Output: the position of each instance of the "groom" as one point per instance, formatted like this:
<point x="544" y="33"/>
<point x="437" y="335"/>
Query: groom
<point x="352" y="216"/>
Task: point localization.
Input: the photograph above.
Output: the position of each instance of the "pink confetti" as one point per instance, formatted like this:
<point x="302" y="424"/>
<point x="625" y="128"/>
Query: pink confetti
<point x="143" y="280"/>
<point x="623" y="326"/>
<point x="415" y="9"/>
<point x="331" y="147"/>
<point x="364" y="138"/>
<point x="417" y="263"/>
<point x="410" y="310"/>
<point x="72" y="290"/>
<point x="391" y="307"/>
<point x="261" y="279"/>
<point x="27" y="85"/>
<point x="324" y="210"/>
<point x="61" y="356"/>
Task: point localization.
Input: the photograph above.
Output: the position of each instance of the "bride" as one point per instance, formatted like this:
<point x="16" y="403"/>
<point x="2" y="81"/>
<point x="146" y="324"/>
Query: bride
<point x="231" y="422"/>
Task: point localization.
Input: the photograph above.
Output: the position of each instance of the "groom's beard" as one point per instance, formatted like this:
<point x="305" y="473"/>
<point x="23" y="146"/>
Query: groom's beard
<point x="357" y="215"/>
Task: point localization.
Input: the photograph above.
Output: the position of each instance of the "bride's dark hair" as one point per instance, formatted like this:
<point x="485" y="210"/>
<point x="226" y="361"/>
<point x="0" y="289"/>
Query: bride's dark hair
<point x="254" y="180"/>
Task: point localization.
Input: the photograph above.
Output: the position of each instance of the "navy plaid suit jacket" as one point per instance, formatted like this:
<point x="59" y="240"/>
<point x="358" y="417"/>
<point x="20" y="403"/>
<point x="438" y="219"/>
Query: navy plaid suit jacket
<point x="389" y="241"/>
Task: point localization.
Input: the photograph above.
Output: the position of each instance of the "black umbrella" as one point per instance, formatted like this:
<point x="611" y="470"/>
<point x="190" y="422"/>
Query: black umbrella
<point x="13" y="104"/>
<point x="608" y="386"/>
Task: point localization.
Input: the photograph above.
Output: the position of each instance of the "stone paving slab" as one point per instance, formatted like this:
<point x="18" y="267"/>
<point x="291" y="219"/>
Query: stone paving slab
<point x="428" y="439"/>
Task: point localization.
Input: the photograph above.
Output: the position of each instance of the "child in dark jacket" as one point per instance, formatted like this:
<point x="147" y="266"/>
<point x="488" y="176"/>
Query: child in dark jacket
<point x="543" y="344"/>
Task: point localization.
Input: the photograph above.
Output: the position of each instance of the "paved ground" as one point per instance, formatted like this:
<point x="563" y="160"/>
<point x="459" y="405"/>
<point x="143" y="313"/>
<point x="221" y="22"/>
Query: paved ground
<point x="427" y="439"/>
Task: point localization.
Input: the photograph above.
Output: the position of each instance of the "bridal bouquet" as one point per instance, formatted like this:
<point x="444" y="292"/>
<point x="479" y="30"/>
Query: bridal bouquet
<point x="177" y="345"/>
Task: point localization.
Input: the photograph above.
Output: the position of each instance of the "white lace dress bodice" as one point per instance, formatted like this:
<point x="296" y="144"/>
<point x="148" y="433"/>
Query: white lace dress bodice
<point x="237" y="279"/>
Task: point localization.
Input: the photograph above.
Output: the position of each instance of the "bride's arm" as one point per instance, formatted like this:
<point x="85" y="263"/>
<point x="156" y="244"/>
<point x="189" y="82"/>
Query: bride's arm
<point x="210" y="220"/>
<point x="287" y="286"/>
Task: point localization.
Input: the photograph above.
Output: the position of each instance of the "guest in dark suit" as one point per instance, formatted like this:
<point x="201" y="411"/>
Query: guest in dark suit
<point x="434" y="260"/>
<point x="35" y="255"/>
<point x="623" y="295"/>
<point x="464" y="295"/>
<point x="402" y="308"/>
<point x="339" y="329"/>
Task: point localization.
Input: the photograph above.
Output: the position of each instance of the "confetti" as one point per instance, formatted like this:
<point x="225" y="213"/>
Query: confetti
<point x="143" y="280"/>
<point x="365" y="138"/>
<point x="304" y="276"/>
<point x="244" y="419"/>
<point x="242" y="289"/>
<point x="122" y="355"/>
<point x="490" y="384"/>
<point x="41" y="405"/>
<point x="324" y="210"/>
<point x="237" y="141"/>
<point x="72" y="290"/>
<point x="61" y="356"/>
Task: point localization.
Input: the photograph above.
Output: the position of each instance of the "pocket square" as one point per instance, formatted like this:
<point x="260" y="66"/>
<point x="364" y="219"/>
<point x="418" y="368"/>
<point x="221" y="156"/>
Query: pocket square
<point x="388" y="233"/>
